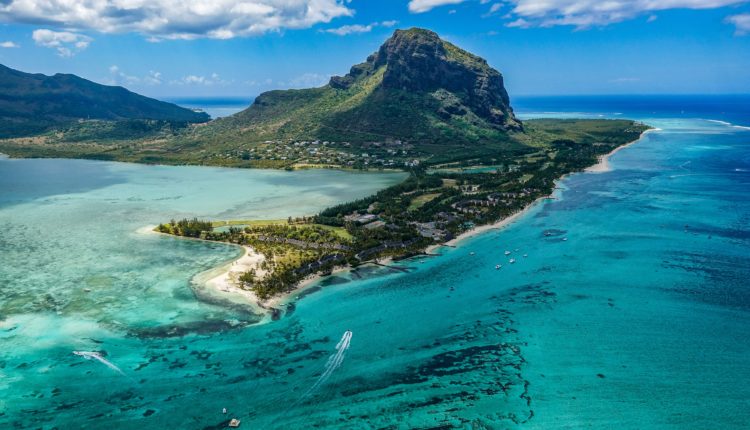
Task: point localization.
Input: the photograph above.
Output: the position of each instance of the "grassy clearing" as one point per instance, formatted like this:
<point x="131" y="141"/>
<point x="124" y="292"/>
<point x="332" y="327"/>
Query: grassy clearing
<point x="252" y="222"/>
<point x="420" y="201"/>
<point x="339" y="231"/>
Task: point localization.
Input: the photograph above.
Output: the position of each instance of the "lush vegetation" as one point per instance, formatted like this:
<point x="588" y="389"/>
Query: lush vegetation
<point x="386" y="113"/>
<point x="31" y="104"/>
<point x="430" y="206"/>
<point x="419" y="104"/>
<point x="186" y="227"/>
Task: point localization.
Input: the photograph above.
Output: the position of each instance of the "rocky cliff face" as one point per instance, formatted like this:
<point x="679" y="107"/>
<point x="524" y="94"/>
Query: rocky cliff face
<point x="418" y="61"/>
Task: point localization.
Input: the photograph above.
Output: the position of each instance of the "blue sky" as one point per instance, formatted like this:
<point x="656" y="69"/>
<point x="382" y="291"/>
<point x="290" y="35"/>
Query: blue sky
<point x="172" y="48"/>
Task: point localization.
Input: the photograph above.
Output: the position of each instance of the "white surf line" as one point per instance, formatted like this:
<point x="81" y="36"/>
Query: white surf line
<point x="729" y="124"/>
<point x="333" y="363"/>
<point x="98" y="357"/>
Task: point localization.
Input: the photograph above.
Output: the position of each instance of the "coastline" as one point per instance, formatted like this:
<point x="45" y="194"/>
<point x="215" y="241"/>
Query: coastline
<point x="224" y="280"/>
<point x="499" y="225"/>
<point x="603" y="165"/>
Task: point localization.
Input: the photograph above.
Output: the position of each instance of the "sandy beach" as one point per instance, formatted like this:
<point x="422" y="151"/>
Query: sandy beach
<point x="603" y="164"/>
<point x="224" y="280"/>
<point x="488" y="227"/>
<point x="228" y="278"/>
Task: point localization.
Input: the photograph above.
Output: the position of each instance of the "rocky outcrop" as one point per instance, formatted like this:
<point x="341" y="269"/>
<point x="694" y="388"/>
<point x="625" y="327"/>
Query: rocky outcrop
<point x="417" y="60"/>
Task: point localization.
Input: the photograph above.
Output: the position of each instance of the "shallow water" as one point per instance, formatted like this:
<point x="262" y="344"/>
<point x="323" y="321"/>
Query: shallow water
<point x="640" y="319"/>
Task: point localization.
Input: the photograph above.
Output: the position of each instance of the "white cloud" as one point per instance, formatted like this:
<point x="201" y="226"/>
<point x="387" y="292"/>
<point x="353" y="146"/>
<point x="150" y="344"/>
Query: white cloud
<point x="589" y="13"/>
<point x="118" y="77"/>
<point x="176" y="19"/>
<point x="519" y="23"/>
<point x="66" y="43"/>
<point x="308" y="80"/>
<point x="213" y="79"/>
<point x="358" y="28"/>
<point x="420" y="6"/>
<point x="350" y="29"/>
<point x="741" y="23"/>
<point x="9" y="44"/>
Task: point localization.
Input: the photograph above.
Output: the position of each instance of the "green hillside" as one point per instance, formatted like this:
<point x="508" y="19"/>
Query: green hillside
<point x="34" y="103"/>
<point x="418" y="100"/>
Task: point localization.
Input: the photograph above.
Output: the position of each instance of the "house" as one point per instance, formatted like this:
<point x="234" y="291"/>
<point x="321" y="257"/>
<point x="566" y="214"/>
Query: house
<point x="375" y="224"/>
<point x="470" y="188"/>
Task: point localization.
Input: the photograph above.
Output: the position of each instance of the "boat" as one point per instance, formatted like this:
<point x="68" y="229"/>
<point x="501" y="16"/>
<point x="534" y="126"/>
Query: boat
<point x="507" y="252"/>
<point x="565" y="239"/>
<point x="512" y="260"/>
<point x="234" y="422"/>
<point x="525" y="255"/>
<point x="471" y="253"/>
<point x="497" y="266"/>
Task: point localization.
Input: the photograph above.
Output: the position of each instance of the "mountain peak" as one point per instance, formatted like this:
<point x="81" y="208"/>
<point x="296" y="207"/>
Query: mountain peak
<point x="418" y="60"/>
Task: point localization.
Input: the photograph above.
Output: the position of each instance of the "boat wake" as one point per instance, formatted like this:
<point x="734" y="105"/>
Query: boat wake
<point x="90" y="355"/>
<point x="333" y="363"/>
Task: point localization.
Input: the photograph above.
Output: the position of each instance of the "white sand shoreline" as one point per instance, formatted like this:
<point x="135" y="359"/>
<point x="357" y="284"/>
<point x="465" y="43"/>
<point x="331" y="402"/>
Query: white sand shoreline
<point x="499" y="225"/>
<point x="224" y="280"/>
<point x="603" y="165"/>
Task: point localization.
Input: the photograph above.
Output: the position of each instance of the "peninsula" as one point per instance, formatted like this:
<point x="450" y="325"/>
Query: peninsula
<point x="419" y="104"/>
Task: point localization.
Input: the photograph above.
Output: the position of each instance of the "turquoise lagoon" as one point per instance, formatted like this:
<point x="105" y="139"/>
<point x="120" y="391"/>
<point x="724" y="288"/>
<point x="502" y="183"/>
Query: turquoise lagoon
<point x="631" y="309"/>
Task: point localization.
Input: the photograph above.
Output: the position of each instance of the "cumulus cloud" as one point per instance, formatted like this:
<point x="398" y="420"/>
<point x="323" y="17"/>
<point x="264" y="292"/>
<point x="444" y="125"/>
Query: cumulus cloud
<point x="420" y="6"/>
<point x="358" y="28"/>
<point x="308" y="80"/>
<point x="118" y="77"/>
<point x="9" y="44"/>
<point x="590" y="13"/>
<point x="213" y="79"/>
<point x="741" y="23"/>
<point x="350" y="29"/>
<point x="176" y="19"/>
<point x="66" y="43"/>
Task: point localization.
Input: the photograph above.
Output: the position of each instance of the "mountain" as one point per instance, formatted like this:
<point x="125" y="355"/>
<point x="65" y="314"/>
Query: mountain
<point x="34" y="103"/>
<point x="418" y="100"/>
<point x="416" y="87"/>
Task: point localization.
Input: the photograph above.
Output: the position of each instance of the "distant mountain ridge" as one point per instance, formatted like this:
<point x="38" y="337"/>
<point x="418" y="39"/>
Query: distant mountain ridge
<point x="34" y="103"/>
<point x="416" y="87"/>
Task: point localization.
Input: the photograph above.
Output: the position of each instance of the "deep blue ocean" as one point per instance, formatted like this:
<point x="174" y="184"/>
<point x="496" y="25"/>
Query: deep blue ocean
<point x="217" y="107"/>
<point x="639" y="319"/>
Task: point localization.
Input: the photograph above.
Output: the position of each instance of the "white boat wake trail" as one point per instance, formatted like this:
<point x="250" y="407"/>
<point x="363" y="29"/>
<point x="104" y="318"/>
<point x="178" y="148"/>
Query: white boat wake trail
<point x="98" y="357"/>
<point x="333" y="363"/>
